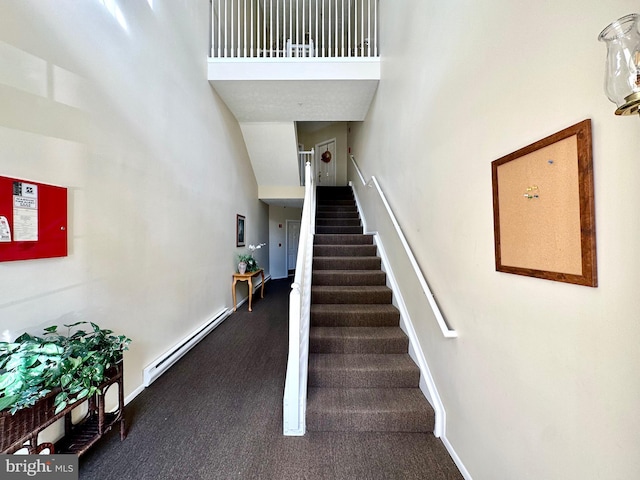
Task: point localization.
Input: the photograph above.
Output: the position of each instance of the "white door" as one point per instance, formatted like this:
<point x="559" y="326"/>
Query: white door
<point x="326" y="163"/>
<point x="293" y="238"/>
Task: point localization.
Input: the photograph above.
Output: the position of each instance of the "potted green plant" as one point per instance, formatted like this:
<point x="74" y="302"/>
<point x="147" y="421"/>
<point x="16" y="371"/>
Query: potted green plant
<point x="74" y="365"/>
<point x="246" y="261"/>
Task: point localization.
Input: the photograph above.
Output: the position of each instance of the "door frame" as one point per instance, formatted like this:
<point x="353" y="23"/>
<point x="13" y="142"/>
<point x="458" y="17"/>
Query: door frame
<point x="334" y="161"/>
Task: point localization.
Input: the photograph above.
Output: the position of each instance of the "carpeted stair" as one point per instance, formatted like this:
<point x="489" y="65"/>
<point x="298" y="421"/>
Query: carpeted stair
<point x="361" y="377"/>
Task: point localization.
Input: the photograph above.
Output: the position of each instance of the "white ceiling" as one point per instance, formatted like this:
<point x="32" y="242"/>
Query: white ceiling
<point x="293" y="90"/>
<point x="269" y="96"/>
<point x="297" y="100"/>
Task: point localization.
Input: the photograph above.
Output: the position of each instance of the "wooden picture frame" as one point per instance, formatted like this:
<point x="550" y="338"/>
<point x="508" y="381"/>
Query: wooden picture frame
<point x="240" y="230"/>
<point x="543" y="209"/>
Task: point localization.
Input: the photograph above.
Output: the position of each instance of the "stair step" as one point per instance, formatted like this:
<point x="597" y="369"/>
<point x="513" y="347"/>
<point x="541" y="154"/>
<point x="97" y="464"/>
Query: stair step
<point x="337" y="222"/>
<point x="351" y="213"/>
<point x="345" y="251"/>
<point x="334" y="192"/>
<point x="368" y="410"/>
<point x="357" y="340"/>
<point x="348" y="277"/>
<point x="348" y="263"/>
<point x="342" y="239"/>
<point x="337" y="229"/>
<point x="363" y="371"/>
<point x="335" y="202"/>
<point x="351" y="294"/>
<point x="330" y="211"/>
<point x="357" y="315"/>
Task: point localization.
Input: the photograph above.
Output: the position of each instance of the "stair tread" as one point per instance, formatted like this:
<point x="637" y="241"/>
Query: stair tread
<point x="345" y="250"/>
<point x="349" y="272"/>
<point x="356" y="307"/>
<point x="366" y="399"/>
<point x="355" y="315"/>
<point x="368" y="409"/>
<point x="342" y="239"/>
<point x="350" y="288"/>
<point x="365" y="333"/>
<point x="349" y="277"/>
<point x="372" y="370"/>
<point x="362" y="361"/>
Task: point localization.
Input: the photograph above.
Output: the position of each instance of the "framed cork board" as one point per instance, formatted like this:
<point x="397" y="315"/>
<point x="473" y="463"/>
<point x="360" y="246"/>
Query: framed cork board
<point x="543" y="209"/>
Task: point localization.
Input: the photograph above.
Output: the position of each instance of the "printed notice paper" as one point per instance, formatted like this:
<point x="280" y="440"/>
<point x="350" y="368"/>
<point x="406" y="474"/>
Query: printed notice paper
<point x="5" y="231"/>
<point x="25" y="212"/>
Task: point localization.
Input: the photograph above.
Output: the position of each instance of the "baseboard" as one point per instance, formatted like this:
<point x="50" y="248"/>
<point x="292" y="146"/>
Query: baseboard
<point x="129" y="398"/>
<point x="456" y="459"/>
<point x="427" y="383"/>
<point x="175" y="353"/>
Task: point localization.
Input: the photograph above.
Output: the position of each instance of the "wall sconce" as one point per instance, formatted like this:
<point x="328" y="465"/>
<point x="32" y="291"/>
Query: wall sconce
<point x="622" y="76"/>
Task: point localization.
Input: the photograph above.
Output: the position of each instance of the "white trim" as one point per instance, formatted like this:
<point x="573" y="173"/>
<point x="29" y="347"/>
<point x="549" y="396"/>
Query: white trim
<point x="456" y="459"/>
<point x="150" y="374"/>
<point x="129" y="398"/>
<point x="427" y="383"/>
<point x="175" y="353"/>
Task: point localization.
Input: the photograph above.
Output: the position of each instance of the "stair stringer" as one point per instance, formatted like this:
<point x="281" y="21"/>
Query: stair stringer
<point x="427" y="384"/>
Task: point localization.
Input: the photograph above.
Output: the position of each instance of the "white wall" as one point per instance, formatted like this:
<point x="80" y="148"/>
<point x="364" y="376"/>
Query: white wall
<point x="543" y="381"/>
<point x="278" y="217"/>
<point x="114" y="104"/>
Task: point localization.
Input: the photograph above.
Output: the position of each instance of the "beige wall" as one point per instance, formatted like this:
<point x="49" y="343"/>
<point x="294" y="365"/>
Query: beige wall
<point x="543" y="381"/>
<point x="123" y="116"/>
<point x="337" y="130"/>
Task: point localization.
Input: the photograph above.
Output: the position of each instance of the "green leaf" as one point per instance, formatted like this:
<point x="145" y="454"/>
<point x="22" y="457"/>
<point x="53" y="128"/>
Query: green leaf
<point x="51" y="329"/>
<point x="83" y="393"/>
<point x="52" y="349"/>
<point x="7" y="379"/>
<point x="6" y="402"/>
<point x="60" y="407"/>
<point x="74" y="324"/>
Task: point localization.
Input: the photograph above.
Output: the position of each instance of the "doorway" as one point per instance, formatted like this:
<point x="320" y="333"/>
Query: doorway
<point x="325" y="161"/>
<point x="293" y="238"/>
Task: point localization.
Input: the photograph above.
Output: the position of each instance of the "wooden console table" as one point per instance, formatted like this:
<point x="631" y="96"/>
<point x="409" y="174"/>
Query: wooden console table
<point x="247" y="277"/>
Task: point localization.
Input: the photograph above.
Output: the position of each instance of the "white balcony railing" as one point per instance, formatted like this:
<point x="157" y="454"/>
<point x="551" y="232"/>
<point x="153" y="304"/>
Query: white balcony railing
<point x="294" y="28"/>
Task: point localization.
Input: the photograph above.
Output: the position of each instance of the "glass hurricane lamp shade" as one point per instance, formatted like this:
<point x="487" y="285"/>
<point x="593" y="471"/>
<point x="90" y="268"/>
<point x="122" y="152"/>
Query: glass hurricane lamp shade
<point x="622" y="74"/>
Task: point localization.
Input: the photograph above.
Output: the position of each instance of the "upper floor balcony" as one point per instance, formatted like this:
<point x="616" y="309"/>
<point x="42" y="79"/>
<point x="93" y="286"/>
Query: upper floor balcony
<point x="295" y="60"/>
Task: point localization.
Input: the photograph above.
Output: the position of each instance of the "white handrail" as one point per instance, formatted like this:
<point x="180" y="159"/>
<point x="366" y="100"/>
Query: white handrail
<point x="288" y="28"/>
<point x="295" y="389"/>
<point x="373" y="182"/>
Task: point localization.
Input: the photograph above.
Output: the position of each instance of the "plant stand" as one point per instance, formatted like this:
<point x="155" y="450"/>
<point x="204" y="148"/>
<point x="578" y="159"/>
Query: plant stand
<point x="22" y="429"/>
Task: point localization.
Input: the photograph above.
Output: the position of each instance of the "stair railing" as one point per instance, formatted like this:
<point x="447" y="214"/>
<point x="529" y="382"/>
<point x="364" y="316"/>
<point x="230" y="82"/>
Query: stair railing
<point x="294" y="28"/>
<point x="304" y="157"/>
<point x="295" y="388"/>
<point x="373" y="183"/>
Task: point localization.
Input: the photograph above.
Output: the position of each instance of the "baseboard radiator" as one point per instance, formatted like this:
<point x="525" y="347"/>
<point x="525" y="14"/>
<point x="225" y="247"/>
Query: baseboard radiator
<point x="166" y="360"/>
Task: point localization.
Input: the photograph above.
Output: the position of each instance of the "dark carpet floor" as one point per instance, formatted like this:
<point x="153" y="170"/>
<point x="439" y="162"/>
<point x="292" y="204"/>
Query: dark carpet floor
<point x="217" y="414"/>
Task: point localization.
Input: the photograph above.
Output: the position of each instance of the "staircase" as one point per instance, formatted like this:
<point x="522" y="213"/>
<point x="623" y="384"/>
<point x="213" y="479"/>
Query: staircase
<point x="361" y="377"/>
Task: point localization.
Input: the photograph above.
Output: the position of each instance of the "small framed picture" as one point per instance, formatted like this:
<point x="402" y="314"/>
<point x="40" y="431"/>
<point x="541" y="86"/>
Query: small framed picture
<point x="240" y="230"/>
